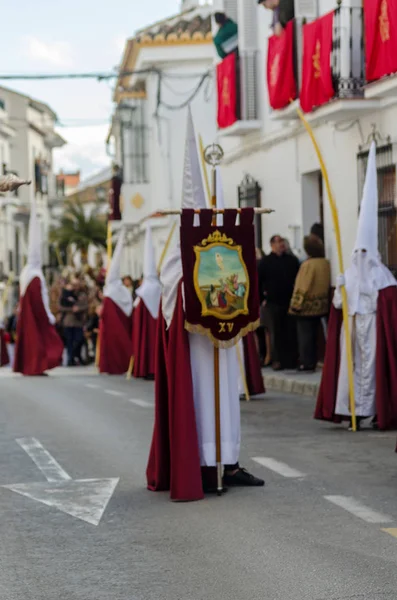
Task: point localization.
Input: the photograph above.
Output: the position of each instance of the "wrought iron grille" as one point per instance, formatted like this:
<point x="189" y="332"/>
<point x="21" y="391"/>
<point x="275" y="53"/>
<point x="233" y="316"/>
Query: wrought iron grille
<point x="348" y="61"/>
<point x="387" y="193"/>
<point x="249" y="196"/>
<point x="135" y="156"/>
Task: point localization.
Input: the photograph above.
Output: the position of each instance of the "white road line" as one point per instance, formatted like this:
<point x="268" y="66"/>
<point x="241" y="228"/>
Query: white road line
<point x="358" y="510"/>
<point x="141" y="403"/>
<point x="47" y="464"/>
<point x="278" y="467"/>
<point x="113" y="393"/>
<point x="92" y="386"/>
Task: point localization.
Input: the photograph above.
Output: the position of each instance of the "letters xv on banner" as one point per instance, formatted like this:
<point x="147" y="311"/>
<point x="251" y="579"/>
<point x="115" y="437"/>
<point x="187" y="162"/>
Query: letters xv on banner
<point x="317" y="85"/>
<point x="219" y="276"/>
<point x="280" y="68"/>
<point x="380" y="38"/>
<point x="226" y="72"/>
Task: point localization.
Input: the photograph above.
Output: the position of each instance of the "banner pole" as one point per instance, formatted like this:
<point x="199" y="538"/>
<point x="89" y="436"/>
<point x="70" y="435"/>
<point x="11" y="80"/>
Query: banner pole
<point x="205" y="172"/>
<point x="165" y="249"/>
<point x="345" y="311"/>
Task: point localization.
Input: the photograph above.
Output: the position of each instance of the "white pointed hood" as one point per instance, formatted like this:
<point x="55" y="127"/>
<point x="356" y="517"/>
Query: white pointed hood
<point x="150" y="290"/>
<point x="114" y="287"/>
<point x="33" y="268"/>
<point x="193" y="196"/>
<point x="367" y="274"/>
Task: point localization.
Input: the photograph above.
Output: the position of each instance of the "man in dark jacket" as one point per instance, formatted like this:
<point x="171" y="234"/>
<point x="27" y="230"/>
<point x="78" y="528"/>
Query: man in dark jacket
<point x="283" y="12"/>
<point x="226" y="40"/>
<point x="277" y="273"/>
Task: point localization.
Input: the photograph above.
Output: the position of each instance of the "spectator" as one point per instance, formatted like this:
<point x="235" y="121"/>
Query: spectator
<point x="262" y="332"/>
<point x="92" y="326"/>
<point x="11" y="330"/>
<point x="310" y="300"/>
<point x="74" y="306"/>
<point x="226" y="38"/>
<point x="283" y="12"/>
<point x="277" y="274"/>
<point x="128" y="282"/>
<point x="318" y="230"/>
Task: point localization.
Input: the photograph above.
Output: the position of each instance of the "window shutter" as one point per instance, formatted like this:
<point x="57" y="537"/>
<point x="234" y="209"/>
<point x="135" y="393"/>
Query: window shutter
<point x="306" y="9"/>
<point x="230" y="8"/>
<point x="248" y="53"/>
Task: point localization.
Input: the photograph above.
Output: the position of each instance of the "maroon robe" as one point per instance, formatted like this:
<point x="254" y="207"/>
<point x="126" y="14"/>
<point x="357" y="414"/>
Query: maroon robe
<point x="386" y="363"/>
<point x="143" y="341"/>
<point x="38" y="346"/>
<point x="253" y="371"/>
<point x="114" y="339"/>
<point x="4" y="358"/>
<point x="174" y="460"/>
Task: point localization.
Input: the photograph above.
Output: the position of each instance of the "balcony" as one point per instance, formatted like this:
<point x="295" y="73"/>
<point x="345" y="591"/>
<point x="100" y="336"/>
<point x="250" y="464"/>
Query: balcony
<point x="246" y="91"/>
<point x="347" y="63"/>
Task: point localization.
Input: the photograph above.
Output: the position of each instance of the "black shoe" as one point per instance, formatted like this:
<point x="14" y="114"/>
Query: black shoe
<point x="358" y="424"/>
<point x="241" y="478"/>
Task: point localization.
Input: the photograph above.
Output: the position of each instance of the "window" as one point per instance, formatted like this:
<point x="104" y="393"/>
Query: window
<point x="134" y="135"/>
<point x="2" y="104"/>
<point x="249" y="196"/>
<point x="387" y="194"/>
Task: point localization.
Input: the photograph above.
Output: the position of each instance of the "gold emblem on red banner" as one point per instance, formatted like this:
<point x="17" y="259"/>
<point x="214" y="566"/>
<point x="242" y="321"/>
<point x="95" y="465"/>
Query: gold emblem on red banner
<point x="316" y="60"/>
<point x="226" y="92"/>
<point x="275" y="71"/>
<point x="384" y="23"/>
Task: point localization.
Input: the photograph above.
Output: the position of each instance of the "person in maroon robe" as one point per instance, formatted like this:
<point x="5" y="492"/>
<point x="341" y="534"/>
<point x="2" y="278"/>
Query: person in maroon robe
<point x="146" y="310"/>
<point x="38" y="346"/>
<point x="182" y="454"/>
<point x="115" y="323"/>
<point x="372" y="305"/>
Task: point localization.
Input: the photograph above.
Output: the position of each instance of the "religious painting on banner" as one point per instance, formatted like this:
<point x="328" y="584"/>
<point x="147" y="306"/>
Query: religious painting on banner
<point x="380" y="38"/>
<point x="226" y="73"/>
<point x="219" y="275"/>
<point x="281" y="83"/>
<point x="317" y="85"/>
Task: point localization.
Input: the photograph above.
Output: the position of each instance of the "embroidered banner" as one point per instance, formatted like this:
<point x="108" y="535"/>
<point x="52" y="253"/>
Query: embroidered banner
<point x="220" y="276"/>
<point x="317" y="85"/>
<point x="380" y="18"/>
<point x="280" y="68"/>
<point x="226" y="73"/>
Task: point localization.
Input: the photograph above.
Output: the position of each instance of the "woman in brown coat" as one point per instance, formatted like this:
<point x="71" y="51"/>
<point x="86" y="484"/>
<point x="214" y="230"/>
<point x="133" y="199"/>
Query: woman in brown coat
<point x="310" y="300"/>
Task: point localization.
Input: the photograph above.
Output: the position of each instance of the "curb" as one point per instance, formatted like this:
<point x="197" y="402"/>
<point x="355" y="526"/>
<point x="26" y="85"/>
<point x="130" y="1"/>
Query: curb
<point x="291" y="386"/>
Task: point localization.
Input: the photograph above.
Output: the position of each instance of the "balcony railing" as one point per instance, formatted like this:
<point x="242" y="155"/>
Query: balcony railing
<point x="348" y="61"/>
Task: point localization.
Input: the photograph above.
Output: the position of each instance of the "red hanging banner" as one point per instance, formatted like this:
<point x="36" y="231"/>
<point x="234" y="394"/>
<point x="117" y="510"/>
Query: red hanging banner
<point x="380" y="18"/>
<point x="220" y="276"/>
<point x="317" y="87"/>
<point x="280" y="68"/>
<point x="226" y="73"/>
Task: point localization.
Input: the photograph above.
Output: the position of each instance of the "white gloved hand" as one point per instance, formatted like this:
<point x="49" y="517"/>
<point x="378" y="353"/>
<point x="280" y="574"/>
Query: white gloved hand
<point x="340" y="281"/>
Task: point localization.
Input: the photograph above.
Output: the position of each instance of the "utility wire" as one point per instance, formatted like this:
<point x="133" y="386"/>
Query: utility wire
<point x="99" y="76"/>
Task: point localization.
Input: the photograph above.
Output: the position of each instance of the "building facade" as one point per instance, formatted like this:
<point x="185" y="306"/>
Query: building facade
<point x="269" y="157"/>
<point x="173" y="64"/>
<point x="27" y="141"/>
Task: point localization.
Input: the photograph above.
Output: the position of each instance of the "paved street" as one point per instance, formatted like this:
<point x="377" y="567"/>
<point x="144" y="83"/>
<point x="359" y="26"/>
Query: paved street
<point x="315" y="532"/>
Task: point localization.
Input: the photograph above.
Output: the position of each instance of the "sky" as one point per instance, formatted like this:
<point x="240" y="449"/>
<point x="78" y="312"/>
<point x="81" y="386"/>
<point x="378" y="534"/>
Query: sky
<point x="48" y="36"/>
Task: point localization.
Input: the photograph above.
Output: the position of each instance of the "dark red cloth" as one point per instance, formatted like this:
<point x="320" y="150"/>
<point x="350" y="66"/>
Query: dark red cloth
<point x="380" y="18"/>
<point x="280" y="68"/>
<point x="4" y="358"/>
<point x="317" y="86"/>
<point x="174" y="460"/>
<point x="115" y="192"/>
<point x="253" y="371"/>
<point x="114" y="339"/>
<point x="38" y="346"/>
<point x="386" y="367"/>
<point x="143" y="341"/>
<point x="226" y="74"/>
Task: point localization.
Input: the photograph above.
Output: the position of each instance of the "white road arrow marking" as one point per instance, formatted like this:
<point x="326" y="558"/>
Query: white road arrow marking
<point x="84" y="499"/>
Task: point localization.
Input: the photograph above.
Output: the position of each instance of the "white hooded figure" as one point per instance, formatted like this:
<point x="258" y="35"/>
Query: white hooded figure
<point x="114" y="287"/>
<point x="150" y="290"/>
<point x="363" y="280"/>
<point x="201" y="349"/>
<point x="33" y="267"/>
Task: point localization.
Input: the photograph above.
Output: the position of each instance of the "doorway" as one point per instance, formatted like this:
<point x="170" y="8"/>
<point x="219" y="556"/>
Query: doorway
<point x="312" y="200"/>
